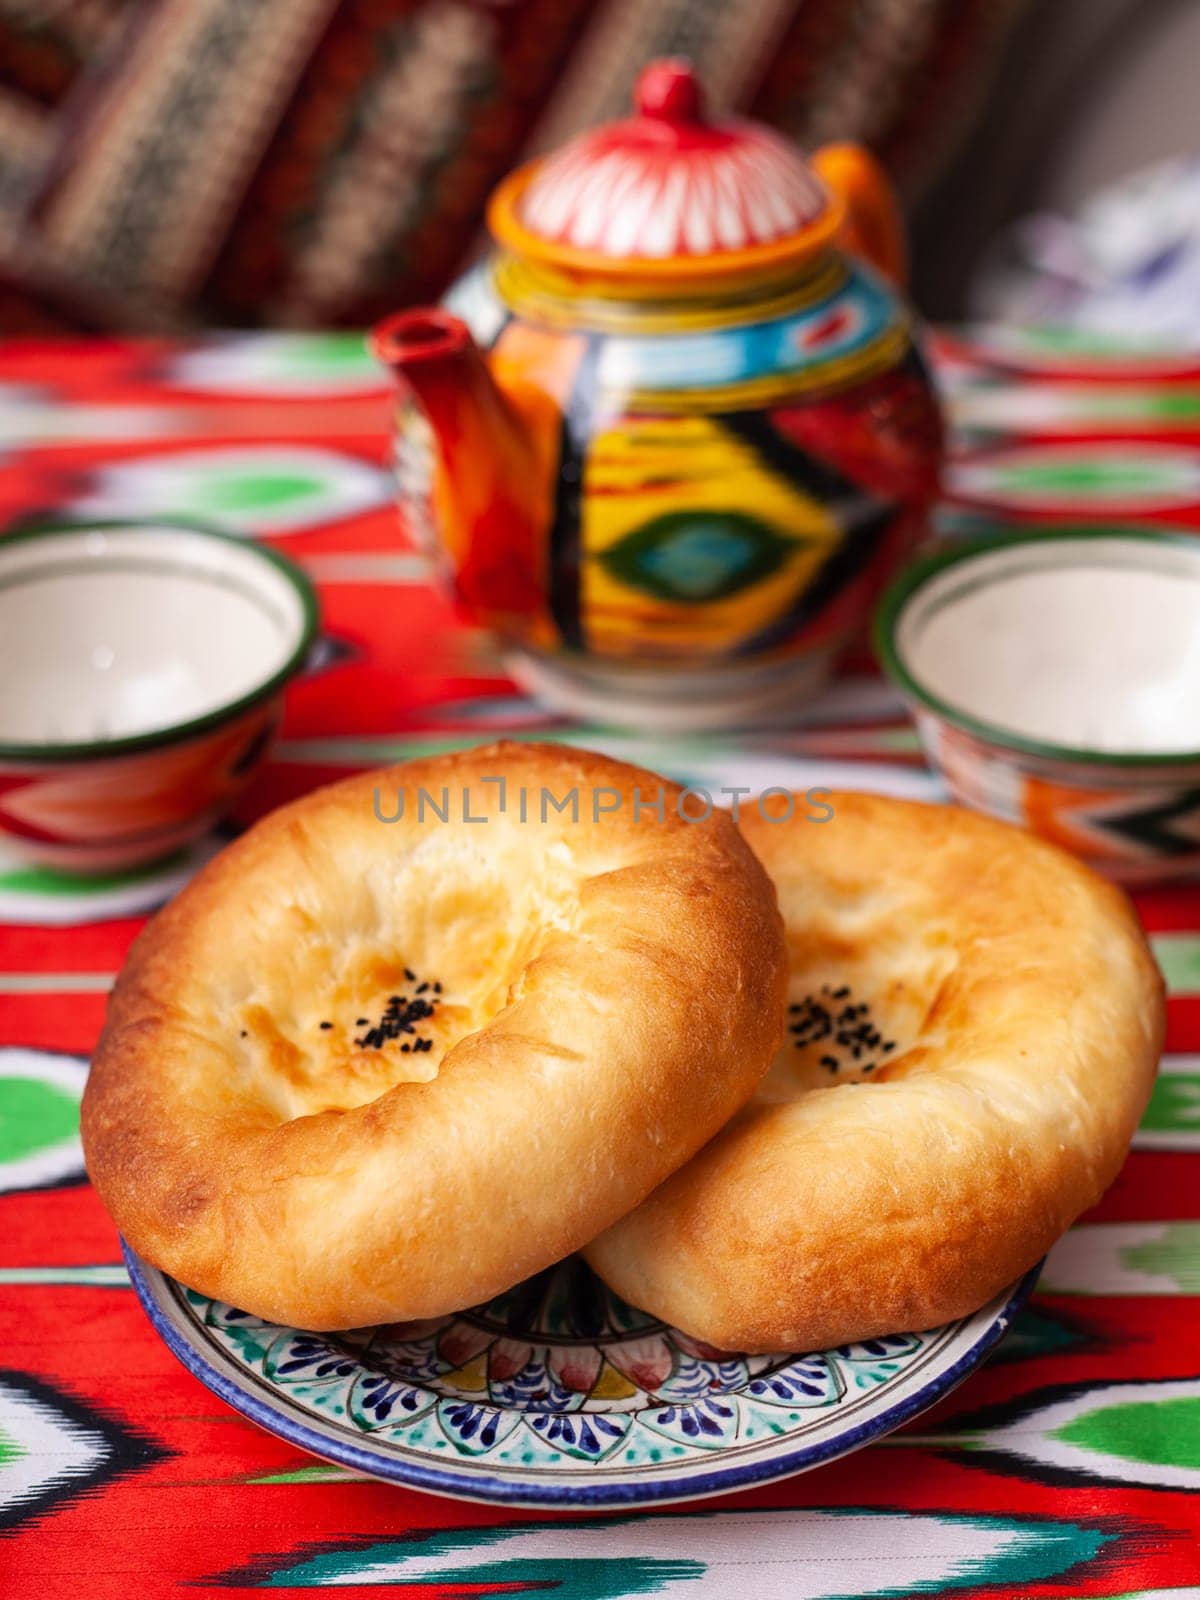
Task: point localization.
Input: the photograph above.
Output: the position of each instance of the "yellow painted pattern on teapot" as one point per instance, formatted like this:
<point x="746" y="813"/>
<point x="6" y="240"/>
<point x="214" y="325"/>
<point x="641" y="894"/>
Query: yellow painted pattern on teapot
<point x="642" y="471"/>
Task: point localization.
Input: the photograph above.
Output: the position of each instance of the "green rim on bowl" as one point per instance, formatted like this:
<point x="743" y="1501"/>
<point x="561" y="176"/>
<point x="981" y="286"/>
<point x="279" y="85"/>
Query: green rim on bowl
<point x="92" y="749"/>
<point x="924" y="569"/>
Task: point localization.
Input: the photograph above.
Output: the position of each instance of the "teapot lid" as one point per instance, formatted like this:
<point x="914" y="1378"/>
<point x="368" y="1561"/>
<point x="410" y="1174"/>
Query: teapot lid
<point x="668" y="193"/>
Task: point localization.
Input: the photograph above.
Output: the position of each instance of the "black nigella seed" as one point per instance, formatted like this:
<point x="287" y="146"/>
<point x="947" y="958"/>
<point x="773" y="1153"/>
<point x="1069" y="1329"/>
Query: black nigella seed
<point x="848" y="1026"/>
<point x="437" y="988"/>
<point x="361" y="1022"/>
<point x="401" y="1017"/>
<point x="411" y="976"/>
<point x="244" y="1034"/>
<point x="327" y="1024"/>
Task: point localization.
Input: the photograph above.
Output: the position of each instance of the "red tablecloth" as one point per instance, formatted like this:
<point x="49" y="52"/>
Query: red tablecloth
<point x="1069" y="1465"/>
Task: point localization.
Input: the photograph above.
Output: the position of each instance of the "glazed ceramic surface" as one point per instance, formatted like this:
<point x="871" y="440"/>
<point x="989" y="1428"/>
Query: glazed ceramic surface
<point x="702" y="431"/>
<point x="559" y="1394"/>
<point x="1055" y="680"/>
<point x="141" y="672"/>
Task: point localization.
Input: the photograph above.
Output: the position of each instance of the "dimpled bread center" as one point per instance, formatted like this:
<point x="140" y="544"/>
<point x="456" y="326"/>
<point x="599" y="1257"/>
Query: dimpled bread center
<point x="861" y="1005"/>
<point x="378" y="990"/>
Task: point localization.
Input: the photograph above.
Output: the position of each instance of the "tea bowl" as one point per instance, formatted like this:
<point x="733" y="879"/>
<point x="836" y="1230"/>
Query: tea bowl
<point x="141" y="673"/>
<point x="1055" y="681"/>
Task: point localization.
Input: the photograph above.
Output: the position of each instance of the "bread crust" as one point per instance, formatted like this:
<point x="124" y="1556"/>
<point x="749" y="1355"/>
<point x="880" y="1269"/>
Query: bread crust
<point x="612" y="991"/>
<point x="1026" y="1014"/>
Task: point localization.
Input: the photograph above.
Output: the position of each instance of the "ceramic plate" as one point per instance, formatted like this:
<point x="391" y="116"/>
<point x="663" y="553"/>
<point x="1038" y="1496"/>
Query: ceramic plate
<point x="559" y="1394"/>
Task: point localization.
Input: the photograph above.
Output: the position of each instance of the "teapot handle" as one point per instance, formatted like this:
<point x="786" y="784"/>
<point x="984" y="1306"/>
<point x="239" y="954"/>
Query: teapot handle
<point x="873" y="227"/>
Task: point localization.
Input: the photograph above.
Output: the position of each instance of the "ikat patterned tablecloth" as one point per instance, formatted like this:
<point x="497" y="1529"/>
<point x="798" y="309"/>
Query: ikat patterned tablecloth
<point x="1068" y="1466"/>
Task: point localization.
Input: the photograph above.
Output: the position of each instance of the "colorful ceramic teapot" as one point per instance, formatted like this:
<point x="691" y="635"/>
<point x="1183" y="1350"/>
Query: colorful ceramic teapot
<point x="702" y="431"/>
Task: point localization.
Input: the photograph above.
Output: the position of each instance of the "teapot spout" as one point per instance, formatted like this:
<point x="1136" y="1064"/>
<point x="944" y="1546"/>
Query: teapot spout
<point x="487" y="492"/>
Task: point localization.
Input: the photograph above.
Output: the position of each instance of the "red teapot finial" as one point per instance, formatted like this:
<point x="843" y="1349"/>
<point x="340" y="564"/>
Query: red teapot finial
<point x="669" y="91"/>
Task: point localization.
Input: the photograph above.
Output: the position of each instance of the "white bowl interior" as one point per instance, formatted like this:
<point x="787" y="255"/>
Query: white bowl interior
<point x="109" y="634"/>
<point x="1088" y="644"/>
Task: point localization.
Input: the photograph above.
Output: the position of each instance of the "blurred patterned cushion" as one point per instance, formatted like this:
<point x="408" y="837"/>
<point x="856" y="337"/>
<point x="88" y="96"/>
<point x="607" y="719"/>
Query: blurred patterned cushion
<point x="166" y="163"/>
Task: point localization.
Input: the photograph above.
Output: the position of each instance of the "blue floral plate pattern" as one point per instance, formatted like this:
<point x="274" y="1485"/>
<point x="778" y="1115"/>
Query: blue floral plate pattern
<point x="559" y="1394"/>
